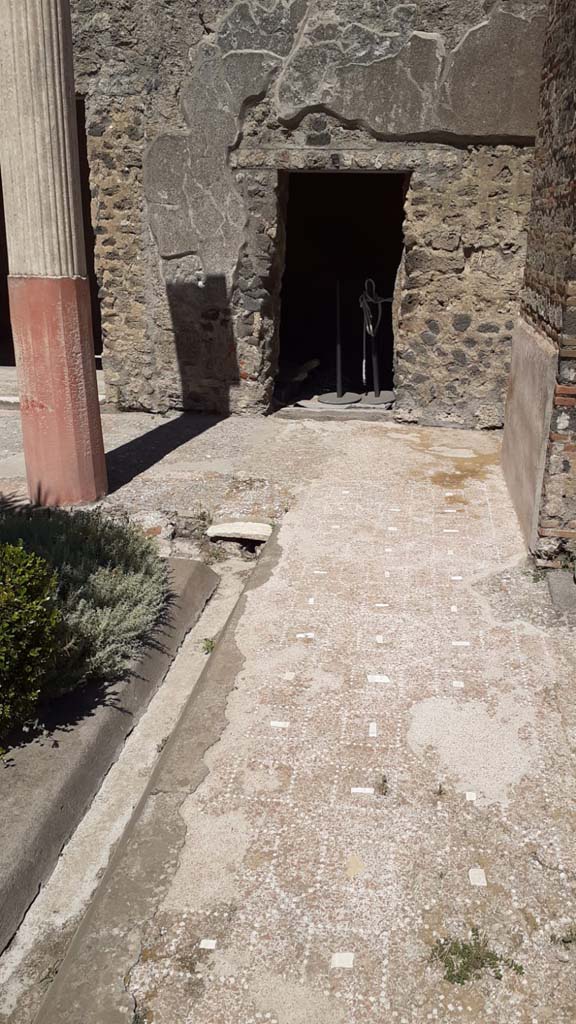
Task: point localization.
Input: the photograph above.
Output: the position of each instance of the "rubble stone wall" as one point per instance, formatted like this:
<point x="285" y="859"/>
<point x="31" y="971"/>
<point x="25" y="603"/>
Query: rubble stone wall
<point x="464" y="236"/>
<point x="549" y="300"/>
<point x="464" y="254"/>
<point x="196" y="108"/>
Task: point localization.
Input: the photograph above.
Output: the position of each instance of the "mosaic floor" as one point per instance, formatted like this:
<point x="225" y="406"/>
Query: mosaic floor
<point x="395" y="767"/>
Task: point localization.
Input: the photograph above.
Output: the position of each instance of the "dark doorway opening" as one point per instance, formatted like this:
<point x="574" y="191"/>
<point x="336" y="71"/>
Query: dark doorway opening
<point x="6" y="343"/>
<point x="341" y="229"/>
<point x="89" y="237"/>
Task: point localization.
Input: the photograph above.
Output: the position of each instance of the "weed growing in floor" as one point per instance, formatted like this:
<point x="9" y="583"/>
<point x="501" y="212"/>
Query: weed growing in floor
<point x="567" y="939"/>
<point x="195" y="523"/>
<point x="567" y="560"/>
<point x="462" y="960"/>
<point x="51" y="973"/>
<point x="383" y="787"/>
<point x="215" y="553"/>
<point x="208" y="644"/>
<point x="535" y="572"/>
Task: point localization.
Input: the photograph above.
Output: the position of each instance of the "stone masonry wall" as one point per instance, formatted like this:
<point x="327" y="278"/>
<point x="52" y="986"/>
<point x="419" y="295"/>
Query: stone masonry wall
<point x="182" y="98"/>
<point x="464" y="236"/>
<point x="549" y="300"/>
<point x="114" y="152"/>
<point x="465" y="245"/>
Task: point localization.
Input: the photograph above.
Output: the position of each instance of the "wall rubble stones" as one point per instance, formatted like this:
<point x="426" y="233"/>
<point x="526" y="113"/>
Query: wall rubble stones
<point x="189" y="254"/>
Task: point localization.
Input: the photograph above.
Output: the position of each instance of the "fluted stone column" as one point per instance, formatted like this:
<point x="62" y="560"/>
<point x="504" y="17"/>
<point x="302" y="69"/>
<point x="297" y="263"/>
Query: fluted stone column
<point x="49" y="292"/>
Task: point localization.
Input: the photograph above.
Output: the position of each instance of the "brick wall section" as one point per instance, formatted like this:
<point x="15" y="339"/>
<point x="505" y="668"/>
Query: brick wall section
<point x="549" y="300"/>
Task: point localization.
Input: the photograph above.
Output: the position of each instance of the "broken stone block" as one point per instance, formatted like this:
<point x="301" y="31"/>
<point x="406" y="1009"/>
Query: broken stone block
<point x="157" y="526"/>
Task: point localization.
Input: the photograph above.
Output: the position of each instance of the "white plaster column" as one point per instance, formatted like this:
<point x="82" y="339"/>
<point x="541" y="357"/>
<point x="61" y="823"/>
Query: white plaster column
<point x="49" y="292"/>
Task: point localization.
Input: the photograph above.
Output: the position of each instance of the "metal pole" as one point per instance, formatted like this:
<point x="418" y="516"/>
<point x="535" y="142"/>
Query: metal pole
<point x="339" y="397"/>
<point x="375" y="369"/>
<point x="339" y="382"/>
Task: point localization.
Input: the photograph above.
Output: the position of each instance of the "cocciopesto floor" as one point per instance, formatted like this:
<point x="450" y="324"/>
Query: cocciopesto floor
<point x="394" y="767"/>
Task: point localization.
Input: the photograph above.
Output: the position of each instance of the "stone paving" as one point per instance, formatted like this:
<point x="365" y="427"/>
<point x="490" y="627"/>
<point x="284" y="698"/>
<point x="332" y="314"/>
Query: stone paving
<point x="396" y="765"/>
<point x="177" y="465"/>
<point x="393" y="768"/>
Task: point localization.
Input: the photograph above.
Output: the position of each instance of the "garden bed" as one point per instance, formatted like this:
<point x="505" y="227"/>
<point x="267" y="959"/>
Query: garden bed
<point x="81" y="594"/>
<point x="90" y="619"/>
<point x="47" y="784"/>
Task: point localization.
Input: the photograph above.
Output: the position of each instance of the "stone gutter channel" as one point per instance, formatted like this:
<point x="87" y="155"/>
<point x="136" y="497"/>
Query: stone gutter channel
<point x="47" y="785"/>
<point x="108" y="941"/>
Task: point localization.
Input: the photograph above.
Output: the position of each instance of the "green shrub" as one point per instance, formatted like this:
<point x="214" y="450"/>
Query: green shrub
<point x="111" y="591"/>
<point x="29" y="632"/>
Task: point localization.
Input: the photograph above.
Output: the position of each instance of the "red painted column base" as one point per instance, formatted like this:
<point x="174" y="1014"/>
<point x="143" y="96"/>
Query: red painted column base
<point x="63" y="446"/>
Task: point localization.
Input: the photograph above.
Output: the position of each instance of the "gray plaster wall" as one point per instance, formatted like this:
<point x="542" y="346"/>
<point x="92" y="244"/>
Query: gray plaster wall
<point x="528" y="414"/>
<point x="194" y="110"/>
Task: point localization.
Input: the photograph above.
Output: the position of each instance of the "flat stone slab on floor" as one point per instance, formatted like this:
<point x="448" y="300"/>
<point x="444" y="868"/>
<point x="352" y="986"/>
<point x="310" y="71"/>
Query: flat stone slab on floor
<point x="315" y="405"/>
<point x="46" y="786"/>
<point x="259" y="532"/>
<point x="562" y="587"/>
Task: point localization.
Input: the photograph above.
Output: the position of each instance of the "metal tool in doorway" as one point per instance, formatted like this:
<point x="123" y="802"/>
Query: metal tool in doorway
<point x="371" y="305"/>
<point x="340" y="396"/>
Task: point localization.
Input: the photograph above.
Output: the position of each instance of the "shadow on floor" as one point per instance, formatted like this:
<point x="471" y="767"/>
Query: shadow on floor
<point x="134" y="457"/>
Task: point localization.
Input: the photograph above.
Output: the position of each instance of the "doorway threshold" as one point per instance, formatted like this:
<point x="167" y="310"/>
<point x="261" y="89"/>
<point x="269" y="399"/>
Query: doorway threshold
<point x="311" y="407"/>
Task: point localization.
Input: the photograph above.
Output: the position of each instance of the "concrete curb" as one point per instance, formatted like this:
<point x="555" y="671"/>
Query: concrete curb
<point x="46" y="786"/>
<point x="91" y="983"/>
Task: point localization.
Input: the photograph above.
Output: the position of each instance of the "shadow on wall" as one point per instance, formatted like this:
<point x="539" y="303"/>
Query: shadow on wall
<point x="89" y="236"/>
<point x="208" y="369"/>
<point x="205" y="344"/>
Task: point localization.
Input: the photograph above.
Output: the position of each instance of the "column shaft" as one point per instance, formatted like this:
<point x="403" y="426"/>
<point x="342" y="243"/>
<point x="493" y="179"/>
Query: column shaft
<point x="49" y="294"/>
